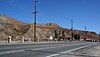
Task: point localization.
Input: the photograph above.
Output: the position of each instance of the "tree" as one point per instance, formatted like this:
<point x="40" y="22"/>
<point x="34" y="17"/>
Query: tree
<point x="56" y="34"/>
<point x="77" y="37"/>
<point x="63" y="35"/>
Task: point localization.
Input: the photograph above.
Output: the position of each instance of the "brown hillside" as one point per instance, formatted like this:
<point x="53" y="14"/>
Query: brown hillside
<point x="16" y="29"/>
<point x="11" y="27"/>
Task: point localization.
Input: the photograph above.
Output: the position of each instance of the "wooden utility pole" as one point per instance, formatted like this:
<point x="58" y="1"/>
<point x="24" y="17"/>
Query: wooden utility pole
<point x="85" y="34"/>
<point x="99" y="36"/>
<point x="72" y="29"/>
<point x="35" y="21"/>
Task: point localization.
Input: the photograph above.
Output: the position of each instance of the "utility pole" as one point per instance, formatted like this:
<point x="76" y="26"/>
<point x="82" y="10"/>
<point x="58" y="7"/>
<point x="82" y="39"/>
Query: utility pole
<point x="99" y="36"/>
<point x="72" y="29"/>
<point x="85" y="34"/>
<point x="35" y="20"/>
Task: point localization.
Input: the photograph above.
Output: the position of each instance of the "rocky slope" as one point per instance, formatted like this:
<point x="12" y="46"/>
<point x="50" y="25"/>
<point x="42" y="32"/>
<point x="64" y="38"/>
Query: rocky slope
<point x="11" y="27"/>
<point x="16" y="29"/>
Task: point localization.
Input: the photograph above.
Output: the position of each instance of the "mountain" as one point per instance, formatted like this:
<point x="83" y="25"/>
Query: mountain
<point x="17" y="29"/>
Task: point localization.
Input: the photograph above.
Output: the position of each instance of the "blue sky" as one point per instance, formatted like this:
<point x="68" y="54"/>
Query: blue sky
<point x="83" y="12"/>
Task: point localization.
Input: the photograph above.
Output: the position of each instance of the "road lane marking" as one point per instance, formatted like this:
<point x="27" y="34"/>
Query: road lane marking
<point x="74" y="49"/>
<point x="53" y="55"/>
<point x="7" y="52"/>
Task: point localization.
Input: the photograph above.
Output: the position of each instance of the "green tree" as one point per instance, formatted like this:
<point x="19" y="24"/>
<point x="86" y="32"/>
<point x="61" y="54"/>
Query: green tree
<point x="77" y="37"/>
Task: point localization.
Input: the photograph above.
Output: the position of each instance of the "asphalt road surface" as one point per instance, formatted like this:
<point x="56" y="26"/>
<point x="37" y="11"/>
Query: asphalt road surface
<point x="41" y="50"/>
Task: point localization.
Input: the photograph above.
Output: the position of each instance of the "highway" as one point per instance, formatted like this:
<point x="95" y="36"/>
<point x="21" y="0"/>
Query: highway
<point x="41" y="50"/>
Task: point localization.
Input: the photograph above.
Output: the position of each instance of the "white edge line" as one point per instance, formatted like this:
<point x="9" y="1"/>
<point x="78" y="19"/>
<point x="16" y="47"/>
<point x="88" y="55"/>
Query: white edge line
<point x="68" y="51"/>
<point x="75" y="49"/>
<point x="52" y="55"/>
<point x="7" y="52"/>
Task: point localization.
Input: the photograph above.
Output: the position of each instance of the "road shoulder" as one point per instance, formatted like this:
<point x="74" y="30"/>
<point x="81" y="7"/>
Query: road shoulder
<point x="91" y="51"/>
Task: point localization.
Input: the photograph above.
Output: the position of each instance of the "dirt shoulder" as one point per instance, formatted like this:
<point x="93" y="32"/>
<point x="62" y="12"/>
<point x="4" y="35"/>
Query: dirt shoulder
<point x="92" y="51"/>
